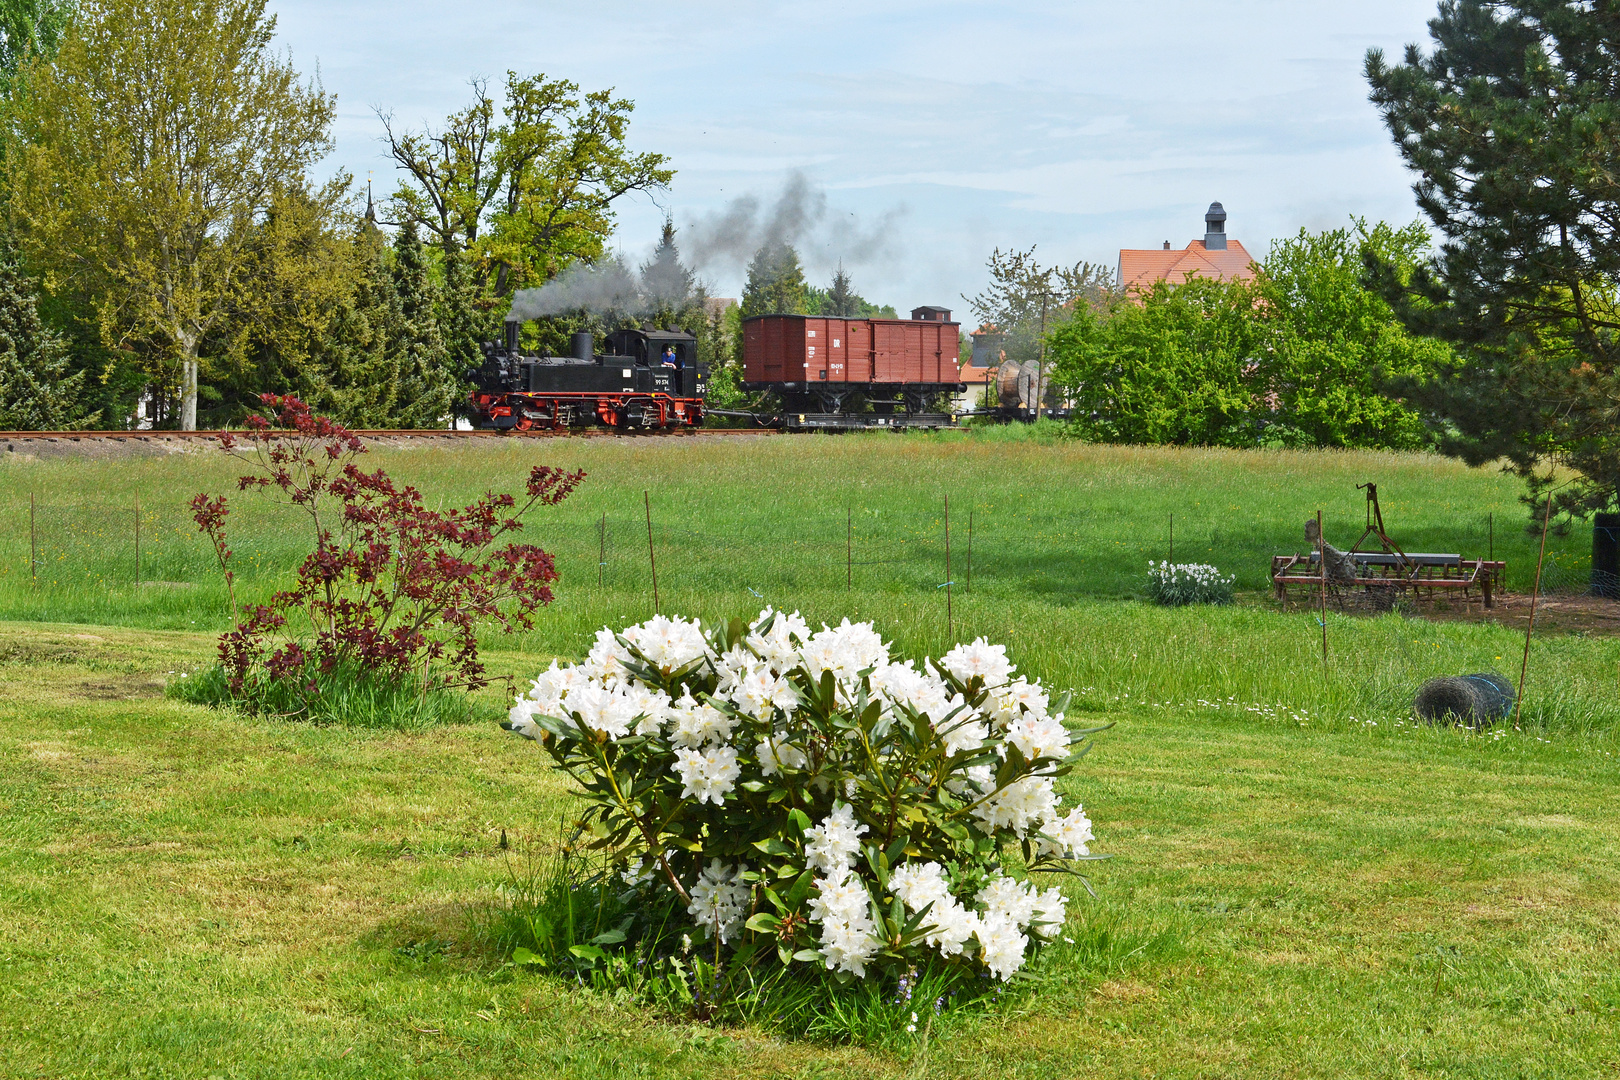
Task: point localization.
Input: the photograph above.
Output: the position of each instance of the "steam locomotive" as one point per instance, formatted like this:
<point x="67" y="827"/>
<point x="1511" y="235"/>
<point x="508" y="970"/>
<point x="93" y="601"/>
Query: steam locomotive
<point x="826" y="373"/>
<point x="647" y="379"/>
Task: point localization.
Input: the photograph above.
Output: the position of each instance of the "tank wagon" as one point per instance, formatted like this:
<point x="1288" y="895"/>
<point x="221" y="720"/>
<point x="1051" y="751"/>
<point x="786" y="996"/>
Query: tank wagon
<point x="646" y="379"/>
<point x="826" y="369"/>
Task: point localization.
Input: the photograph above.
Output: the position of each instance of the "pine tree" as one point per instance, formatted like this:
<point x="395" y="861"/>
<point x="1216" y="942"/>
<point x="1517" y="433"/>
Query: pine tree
<point x="426" y="385"/>
<point x="465" y="323"/>
<point x="775" y="282"/>
<point x="1511" y="125"/>
<point x="841" y="297"/>
<point x="37" y="391"/>
<point x="354" y="376"/>
<point x="665" y="280"/>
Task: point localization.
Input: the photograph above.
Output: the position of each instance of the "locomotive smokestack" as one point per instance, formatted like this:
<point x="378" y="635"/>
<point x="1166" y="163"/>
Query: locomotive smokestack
<point x="583" y="346"/>
<point x="512" y="327"/>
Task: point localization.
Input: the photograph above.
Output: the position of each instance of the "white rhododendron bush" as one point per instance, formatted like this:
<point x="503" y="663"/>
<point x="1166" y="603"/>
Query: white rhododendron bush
<point x="800" y="796"/>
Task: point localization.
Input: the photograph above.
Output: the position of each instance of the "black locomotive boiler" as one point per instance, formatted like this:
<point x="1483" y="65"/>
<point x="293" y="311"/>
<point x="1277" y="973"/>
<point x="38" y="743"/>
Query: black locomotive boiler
<point x="647" y="379"/>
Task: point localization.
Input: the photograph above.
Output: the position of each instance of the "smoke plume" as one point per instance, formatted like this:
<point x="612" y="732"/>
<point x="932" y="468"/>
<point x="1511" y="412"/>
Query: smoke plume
<point x="609" y="286"/>
<point x="801" y="216"/>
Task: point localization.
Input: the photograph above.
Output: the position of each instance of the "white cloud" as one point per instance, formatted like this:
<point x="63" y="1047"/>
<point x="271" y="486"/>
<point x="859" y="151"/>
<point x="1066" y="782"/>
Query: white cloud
<point x="947" y="128"/>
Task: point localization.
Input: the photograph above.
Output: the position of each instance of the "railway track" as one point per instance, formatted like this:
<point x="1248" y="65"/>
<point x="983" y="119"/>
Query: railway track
<point x="384" y="433"/>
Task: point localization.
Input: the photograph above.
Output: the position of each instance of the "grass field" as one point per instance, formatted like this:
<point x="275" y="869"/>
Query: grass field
<point x="779" y="518"/>
<point x="1305" y="884"/>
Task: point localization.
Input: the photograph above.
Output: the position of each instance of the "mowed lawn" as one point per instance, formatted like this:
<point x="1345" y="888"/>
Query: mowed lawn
<point x="193" y="894"/>
<point x="1303" y="884"/>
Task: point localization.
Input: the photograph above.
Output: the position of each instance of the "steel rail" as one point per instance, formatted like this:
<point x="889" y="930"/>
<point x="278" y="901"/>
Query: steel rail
<point x="384" y="433"/>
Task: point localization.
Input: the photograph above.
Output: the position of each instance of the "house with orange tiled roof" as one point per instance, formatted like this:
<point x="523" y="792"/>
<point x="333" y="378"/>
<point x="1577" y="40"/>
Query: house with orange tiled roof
<point x="1215" y="256"/>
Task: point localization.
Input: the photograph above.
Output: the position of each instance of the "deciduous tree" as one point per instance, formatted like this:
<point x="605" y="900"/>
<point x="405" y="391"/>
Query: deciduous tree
<point x="528" y="188"/>
<point x="30" y="29"/>
<point x="146" y="155"/>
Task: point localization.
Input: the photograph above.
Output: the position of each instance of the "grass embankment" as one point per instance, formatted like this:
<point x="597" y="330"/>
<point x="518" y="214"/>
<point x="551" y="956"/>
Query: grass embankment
<point x="776" y="518"/>
<point x="190" y="893"/>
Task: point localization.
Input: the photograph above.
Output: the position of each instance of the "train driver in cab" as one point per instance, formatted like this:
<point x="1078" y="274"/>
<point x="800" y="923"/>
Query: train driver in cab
<point x="671" y="357"/>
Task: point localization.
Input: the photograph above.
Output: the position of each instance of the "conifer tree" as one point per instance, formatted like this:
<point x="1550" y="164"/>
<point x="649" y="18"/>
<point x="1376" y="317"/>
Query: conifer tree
<point x="37" y="391"/>
<point x="426" y="387"/>
<point x="465" y="323"/>
<point x="775" y="282"/>
<point x="665" y="280"/>
<point x="841" y="298"/>
<point x="354" y="376"/>
<point x="1512" y="126"/>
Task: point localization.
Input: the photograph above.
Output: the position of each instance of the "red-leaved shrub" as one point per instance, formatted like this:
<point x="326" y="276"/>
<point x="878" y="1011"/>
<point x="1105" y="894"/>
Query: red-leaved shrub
<point x="391" y="586"/>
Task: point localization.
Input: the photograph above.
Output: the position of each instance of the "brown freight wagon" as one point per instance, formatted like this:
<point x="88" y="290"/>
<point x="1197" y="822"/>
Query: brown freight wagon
<point x="818" y="364"/>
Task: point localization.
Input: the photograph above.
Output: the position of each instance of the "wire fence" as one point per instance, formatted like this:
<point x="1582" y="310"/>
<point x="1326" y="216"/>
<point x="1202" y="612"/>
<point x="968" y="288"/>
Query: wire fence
<point x="73" y="543"/>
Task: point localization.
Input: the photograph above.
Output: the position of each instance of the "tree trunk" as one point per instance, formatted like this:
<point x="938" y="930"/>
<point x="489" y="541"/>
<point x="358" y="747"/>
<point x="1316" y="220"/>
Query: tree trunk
<point x="188" y="381"/>
<point x="188" y="394"/>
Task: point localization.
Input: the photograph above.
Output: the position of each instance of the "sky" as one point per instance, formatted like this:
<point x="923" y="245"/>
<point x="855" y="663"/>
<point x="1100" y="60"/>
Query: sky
<point x="918" y="136"/>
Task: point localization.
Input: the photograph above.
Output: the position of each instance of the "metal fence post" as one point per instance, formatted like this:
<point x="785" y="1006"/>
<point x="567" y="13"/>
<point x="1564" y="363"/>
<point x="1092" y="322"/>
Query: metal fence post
<point x="949" y="619"/>
<point x="652" y="560"/>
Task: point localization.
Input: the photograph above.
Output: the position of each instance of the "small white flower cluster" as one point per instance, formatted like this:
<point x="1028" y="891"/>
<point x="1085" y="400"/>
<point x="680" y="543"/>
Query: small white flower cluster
<point x="842" y="905"/>
<point x="1007" y="909"/>
<point x="748" y="727"/>
<point x="1188" y="583"/>
<point x="720" y="899"/>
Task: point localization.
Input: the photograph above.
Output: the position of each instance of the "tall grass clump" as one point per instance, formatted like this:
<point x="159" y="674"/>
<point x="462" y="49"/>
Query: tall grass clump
<point x="344" y="694"/>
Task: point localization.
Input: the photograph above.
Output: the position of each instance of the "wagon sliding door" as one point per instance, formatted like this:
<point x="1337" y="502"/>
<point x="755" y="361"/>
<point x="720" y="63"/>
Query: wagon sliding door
<point x="857" y="349"/>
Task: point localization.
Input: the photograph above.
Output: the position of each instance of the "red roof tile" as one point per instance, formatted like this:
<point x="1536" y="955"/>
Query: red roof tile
<point x="1140" y="267"/>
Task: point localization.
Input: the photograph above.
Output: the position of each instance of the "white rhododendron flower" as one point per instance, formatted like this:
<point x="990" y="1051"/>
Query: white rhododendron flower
<point x="981" y="660"/>
<point x="962" y="733"/>
<point x="1050" y="911"/>
<point x="830" y="847"/>
<point x="1021" y="806"/>
<point x="920" y="886"/>
<point x="761" y="691"/>
<point x="720" y="899"/>
<point x="778" y="645"/>
<point x="776" y="753"/>
<point x="668" y="643"/>
<point x="721" y="744"/>
<point x="1039" y="736"/>
<point x="1067" y="837"/>
<point x="607" y="657"/>
<point x="1008" y="899"/>
<point x="699" y="725"/>
<point x="1001" y="945"/>
<point x="846" y="650"/>
<point x="843" y="908"/>
<point x="708" y="774"/>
